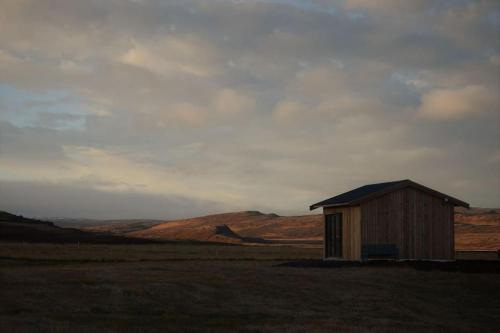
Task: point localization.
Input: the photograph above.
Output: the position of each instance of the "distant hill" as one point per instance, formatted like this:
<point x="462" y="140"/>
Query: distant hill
<point x="250" y="226"/>
<point x="475" y="228"/>
<point x="202" y="233"/>
<point x="18" y="228"/>
<point x="117" y="227"/>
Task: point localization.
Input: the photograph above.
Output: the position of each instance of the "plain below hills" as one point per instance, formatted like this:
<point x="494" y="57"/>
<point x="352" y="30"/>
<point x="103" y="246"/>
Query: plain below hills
<point x="249" y="227"/>
<point x="475" y="228"/>
<point x="18" y="228"/>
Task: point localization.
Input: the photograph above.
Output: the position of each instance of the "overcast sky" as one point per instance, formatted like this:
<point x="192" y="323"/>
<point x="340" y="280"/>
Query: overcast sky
<point x="165" y="109"/>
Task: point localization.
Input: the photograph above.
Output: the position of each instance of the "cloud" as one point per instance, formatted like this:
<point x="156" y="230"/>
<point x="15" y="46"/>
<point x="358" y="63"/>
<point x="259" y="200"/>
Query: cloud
<point x="443" y="104"/>
<point x="385" y="5"/>
<point x="237" y="102"/>
<point x="321" y="81"/>
<point x="290" y="111"/>
<point x="183" y="114"/>
<point x="46" y="199"/>
<point x="189" y="55"/>
<point x="229" y="102"/>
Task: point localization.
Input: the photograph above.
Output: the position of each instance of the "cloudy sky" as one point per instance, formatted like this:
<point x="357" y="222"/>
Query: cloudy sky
<point x="165" y="109"/>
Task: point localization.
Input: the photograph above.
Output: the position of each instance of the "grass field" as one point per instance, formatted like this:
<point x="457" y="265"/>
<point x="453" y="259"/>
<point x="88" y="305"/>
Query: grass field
<point x="170" y="287"/>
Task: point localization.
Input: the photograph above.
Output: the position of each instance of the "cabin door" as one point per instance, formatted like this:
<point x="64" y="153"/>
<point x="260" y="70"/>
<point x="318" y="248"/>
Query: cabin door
<point x="333" y="235"/>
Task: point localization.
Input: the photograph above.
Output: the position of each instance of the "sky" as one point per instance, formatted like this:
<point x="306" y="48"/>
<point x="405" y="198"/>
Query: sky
<point x="169" y="109"/>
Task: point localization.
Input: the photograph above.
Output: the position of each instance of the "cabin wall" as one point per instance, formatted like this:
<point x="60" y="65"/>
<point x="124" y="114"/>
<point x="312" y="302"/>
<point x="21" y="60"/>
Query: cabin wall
<point x="351" y="231"/>
<point x="420" y="225"/>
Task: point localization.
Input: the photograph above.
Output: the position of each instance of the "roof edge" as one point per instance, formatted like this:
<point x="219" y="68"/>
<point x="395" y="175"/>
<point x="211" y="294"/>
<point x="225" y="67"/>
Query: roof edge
<point x="399" y="185"/>
<point x="410" y="183"/>
<point x="349" y="203"/>
<point x="313" y="207"/>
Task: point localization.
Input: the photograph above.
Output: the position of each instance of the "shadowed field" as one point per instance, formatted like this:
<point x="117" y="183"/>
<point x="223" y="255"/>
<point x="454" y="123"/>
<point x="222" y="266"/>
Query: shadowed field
<point x="150" y="252"/>
<point x="169" y="287"/>
<point x="475" y="229"/>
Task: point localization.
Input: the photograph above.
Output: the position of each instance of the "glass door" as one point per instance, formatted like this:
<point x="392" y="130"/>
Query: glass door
<point x="333" y="235"/>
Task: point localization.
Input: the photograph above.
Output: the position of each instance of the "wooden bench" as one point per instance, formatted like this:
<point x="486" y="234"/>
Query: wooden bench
<point x="380" y="251"/>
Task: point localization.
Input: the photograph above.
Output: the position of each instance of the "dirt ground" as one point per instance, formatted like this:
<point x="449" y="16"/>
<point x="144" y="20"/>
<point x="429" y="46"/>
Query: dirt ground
<point x="139" y="288"/>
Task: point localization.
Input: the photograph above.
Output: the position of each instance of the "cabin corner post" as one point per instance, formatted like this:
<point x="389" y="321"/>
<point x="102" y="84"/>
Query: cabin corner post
<point x="324" y="234"/>
<point x="358" y="234"/>
<point x="452" y="232"/>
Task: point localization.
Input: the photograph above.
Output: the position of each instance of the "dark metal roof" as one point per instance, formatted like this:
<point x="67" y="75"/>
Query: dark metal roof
<point x="368" y="191"/>
<point x="349" y="196"/>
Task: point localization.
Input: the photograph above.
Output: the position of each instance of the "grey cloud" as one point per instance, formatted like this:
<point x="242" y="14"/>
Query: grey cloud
<point x="39" y="199"/>
<point x="159" y="81"/>
<point x="29" y="144"/>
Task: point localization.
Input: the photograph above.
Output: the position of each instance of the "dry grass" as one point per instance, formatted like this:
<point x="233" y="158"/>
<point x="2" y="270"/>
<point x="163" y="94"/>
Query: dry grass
<point x="249" y="224"/>
<point x="151" y="252"/>
<point x="111" y="288"/>
<point x="478" y="241"/>
<point x="475" y="228"/>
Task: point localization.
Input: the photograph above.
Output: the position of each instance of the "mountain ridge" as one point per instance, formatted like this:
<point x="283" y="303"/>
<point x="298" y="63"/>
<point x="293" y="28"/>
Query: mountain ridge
<point x="475" y="229"/>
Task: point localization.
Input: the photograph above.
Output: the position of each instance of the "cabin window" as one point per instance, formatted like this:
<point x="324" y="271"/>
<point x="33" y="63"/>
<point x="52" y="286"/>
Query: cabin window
<point x="333" y="235"/>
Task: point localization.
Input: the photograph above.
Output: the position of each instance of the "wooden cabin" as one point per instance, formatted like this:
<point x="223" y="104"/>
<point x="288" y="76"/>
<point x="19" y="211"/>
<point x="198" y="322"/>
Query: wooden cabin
<point x="392" y="220"/>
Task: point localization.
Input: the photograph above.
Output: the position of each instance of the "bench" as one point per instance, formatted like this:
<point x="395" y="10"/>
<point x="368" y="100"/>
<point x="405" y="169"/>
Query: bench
<point x="380" y="251"/>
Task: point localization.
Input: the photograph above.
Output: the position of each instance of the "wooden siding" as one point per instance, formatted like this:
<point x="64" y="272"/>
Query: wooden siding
<point x="420" y="225"/>
<point x="351" y="231"/>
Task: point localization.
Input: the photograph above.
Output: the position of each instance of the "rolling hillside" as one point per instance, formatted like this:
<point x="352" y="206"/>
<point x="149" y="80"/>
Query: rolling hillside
<point x="18" y="228"/>
<point x="116" y="227"/>
<point x="202" y="233"/>
<point x="251" y="226"/>
<point x="476" y="228"/>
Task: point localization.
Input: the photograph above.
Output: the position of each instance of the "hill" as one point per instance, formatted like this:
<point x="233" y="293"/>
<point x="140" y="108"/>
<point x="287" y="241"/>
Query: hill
<point x="201" y="233"/>
<point x="475" y="228"/>
<point x="18" y="228"/>
<point x="116" y="227"/>
<point x="250" y="226"/>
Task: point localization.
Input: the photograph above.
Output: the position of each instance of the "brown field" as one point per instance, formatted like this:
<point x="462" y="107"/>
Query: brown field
<point x="98" y="280"/>
<point x="475" y="229"/>
<point x="169" y="287"/>
<point x="236" y="228"/>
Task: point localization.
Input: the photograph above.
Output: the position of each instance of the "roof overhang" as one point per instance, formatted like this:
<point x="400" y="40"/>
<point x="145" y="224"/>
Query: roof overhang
<point x="313" y="207"/>
<point x="403" y="184"/>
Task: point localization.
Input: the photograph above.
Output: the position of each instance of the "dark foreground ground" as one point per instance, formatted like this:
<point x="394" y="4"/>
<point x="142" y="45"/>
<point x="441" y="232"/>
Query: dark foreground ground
<point x="139" y="288"/>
